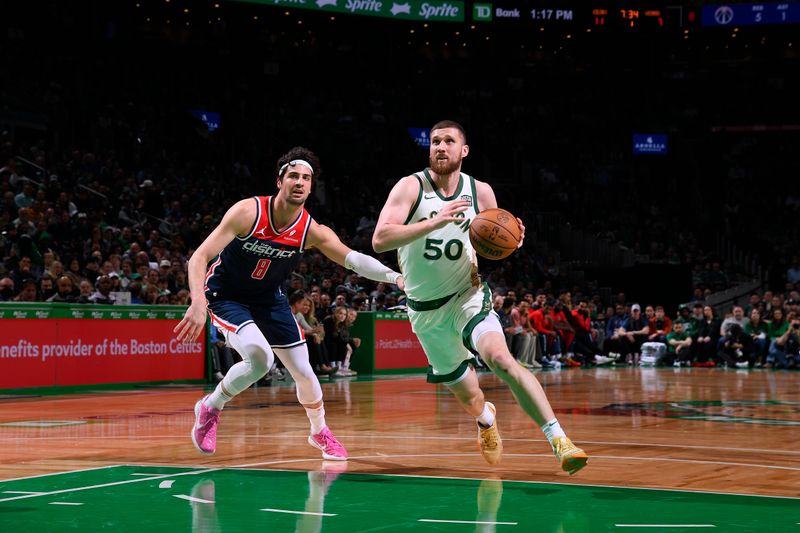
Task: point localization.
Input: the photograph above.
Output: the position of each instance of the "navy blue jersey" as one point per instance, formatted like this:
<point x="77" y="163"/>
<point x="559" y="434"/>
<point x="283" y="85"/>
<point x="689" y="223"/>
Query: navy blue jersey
<point x="252" y="269"/>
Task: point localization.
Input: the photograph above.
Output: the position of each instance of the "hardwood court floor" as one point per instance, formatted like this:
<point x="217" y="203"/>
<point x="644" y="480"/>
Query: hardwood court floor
<point x="700" y="430"/>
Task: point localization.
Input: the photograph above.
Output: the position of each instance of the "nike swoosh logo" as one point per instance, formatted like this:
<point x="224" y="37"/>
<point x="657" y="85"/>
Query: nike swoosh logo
<point x="432" y="196"/>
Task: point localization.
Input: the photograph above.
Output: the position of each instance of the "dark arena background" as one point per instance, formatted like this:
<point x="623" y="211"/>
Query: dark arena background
<point x="650" y="149"/>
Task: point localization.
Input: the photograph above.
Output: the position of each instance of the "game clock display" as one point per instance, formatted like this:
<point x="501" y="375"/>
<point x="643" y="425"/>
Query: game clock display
<point x="632" y="17"/>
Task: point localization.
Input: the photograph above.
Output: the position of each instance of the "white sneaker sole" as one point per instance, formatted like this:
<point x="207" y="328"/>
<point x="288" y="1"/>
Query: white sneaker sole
<point x="196" y="418"/>
<point x="327" y="456"/>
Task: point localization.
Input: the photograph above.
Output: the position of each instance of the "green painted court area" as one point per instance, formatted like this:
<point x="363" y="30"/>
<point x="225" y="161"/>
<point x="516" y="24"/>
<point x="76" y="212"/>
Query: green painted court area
<point x="146" y="499"/>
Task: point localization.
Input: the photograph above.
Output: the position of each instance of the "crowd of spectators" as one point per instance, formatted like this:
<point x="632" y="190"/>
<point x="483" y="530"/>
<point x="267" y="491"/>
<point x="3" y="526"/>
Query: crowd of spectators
<point x="548" y="331"/>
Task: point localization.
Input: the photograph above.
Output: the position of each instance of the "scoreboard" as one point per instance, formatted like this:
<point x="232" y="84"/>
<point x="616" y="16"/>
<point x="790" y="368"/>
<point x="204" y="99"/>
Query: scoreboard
<point x="730" y="15"/>
<point x="585" y="15"/>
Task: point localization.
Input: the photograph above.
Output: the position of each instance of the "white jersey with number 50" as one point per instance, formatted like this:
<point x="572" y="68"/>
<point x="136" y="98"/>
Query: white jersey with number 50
<point x="442" y="262"/>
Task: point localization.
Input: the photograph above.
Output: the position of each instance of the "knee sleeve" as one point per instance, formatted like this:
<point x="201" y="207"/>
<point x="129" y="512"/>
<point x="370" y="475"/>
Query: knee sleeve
<point x="295" y="359"/>
<point x="257" y="358"/>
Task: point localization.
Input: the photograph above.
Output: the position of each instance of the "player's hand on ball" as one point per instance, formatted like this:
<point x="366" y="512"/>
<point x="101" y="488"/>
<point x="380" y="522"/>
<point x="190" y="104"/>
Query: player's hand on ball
<point x="522" y="233"/>
<point x="450" y="213"/>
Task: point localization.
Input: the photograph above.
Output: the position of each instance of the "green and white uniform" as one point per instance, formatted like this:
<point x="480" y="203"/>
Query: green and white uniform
<point x="446" y="298"/>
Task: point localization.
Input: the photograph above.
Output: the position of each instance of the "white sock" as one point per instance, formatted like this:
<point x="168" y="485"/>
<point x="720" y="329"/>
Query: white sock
<point x="552" y="430"/>
<point x="317" y="419"/>
<point x="218" y="398"/>
<point x="486" y="418"/>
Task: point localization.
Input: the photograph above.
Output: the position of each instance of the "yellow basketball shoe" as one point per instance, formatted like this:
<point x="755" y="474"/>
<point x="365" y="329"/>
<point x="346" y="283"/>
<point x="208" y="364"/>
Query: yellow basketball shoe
<point x="572" y="458"/>
<point x="489" y="441"/>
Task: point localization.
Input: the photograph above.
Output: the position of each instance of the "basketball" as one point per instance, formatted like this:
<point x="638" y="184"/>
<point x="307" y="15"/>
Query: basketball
<point x="495" y="233"/>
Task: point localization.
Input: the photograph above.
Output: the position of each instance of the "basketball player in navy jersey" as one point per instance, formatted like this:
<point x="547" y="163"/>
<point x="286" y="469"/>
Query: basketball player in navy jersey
<point x="254" y="249"/>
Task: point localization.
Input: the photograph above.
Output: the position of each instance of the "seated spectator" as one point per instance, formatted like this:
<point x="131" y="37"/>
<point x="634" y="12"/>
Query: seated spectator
<point x="503" y="306"/>
<point x="756" y="329"/>
<point x="29" y="292"/>
<point x="660" y="326"/>
<point x="46" y="287"/>
<point x="85" y="290"/>
<point x="583" y="346"/>
<point x="353" y="342"/>
<point x="303" y="309"/>
<point x="635" y="335"/>
<point x="6" y="288"/>
<point x="549" y="340"/>
<point x="733" y="347"/>
<point x="785" y="340"/>
<point x="616" y="327"/>
<point x="103" y="293"/>
<point x="755" y="303"/>
<point x="337" y="336"/>
<point x="22" y="271"/>
<point x="561" y="322"/>
<point x="679" y="346"/>
<point x="706" y="341"/>
<point x="737" y="317"/>
<point x="525" y="337"/>
<point x="65" y="291"/>
<point x="696" y="318"/>
<point x="684" y="316"/>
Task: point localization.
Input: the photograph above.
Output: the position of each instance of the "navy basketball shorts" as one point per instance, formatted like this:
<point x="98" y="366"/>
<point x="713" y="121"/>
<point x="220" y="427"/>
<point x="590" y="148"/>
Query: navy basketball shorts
<point x="274" y="319"/>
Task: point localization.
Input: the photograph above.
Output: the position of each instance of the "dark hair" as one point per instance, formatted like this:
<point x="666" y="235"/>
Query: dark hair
<point x="450" y="124"/>
<point x="296" y="296"/>
<point x="298" y="152"/>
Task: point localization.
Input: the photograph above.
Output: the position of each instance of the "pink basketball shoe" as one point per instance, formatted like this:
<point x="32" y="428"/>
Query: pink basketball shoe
<point x="204" y="432"/>
<point x="331" y="448"/>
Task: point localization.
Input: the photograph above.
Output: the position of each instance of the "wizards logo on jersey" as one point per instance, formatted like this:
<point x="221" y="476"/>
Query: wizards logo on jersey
<point x="252" y="268"/>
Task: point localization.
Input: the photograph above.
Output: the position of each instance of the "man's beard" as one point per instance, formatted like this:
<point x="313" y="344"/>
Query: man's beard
<point x="444" y="167"/>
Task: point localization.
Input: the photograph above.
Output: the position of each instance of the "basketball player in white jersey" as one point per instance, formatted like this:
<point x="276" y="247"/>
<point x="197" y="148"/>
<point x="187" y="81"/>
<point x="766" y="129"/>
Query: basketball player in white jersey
<point x="254" y="249"/>
<point x="426" y="219"/>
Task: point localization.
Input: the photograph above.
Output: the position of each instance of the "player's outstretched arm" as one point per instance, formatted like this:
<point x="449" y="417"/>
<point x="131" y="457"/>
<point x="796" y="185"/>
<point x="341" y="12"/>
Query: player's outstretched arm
<point x="326" y="240"/>
<point x="237" y="221"/>
<point x="391" y="232"/>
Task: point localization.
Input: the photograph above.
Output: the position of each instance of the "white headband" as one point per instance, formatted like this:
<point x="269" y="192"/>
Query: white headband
<point x="294" y="162"/>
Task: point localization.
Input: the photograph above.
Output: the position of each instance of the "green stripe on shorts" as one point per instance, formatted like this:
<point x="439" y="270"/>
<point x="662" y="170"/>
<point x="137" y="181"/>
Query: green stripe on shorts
<point x="484" y="312"/>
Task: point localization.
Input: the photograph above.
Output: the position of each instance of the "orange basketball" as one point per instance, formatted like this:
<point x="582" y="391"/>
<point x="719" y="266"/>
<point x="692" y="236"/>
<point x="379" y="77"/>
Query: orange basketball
<point x="495" y="233"/>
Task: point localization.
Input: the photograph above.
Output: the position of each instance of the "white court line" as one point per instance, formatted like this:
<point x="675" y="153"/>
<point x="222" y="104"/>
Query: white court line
<point x="112" y="484"/>
<point x="20" y="492"/>
<point x="59" y="473"/>
<point x="64" y="503"/>
<point x="142" y="474"/>
<point x="665" y="525"/>
<point x="192" y="498"/>
<point x="166" y="484"/>
<point x="468" y="522"/>
<point x="296" y="512"/>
